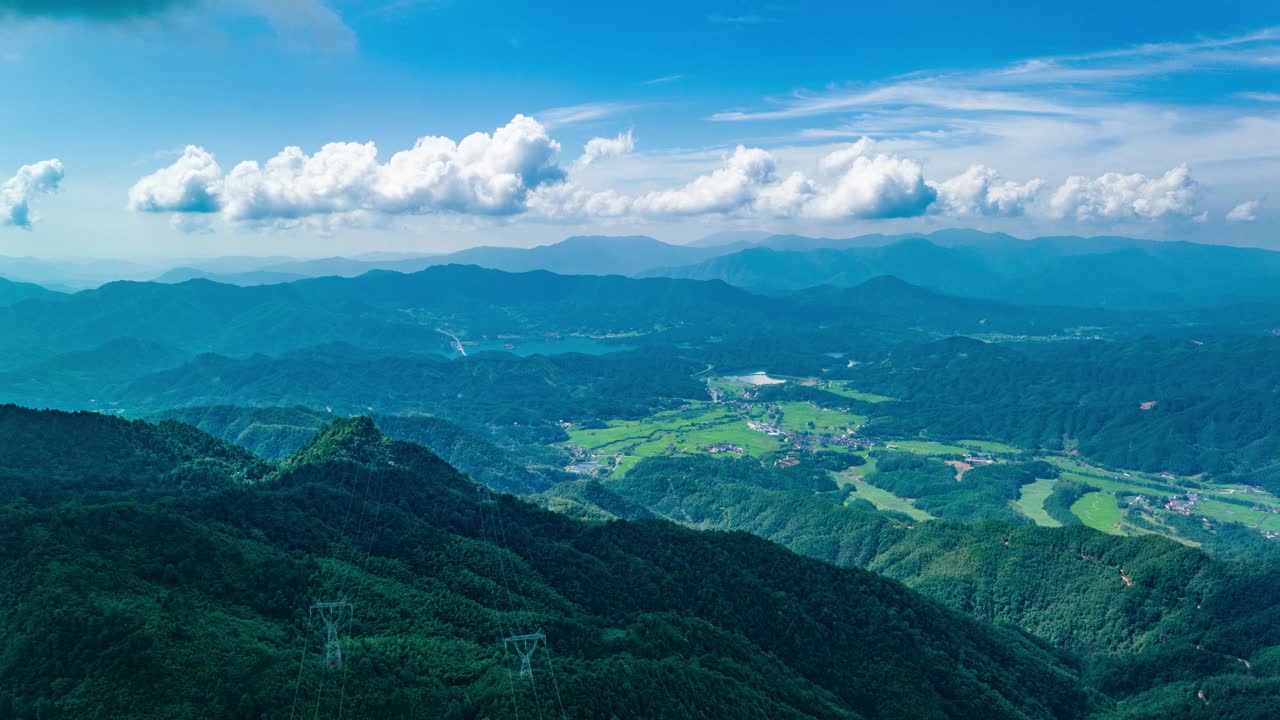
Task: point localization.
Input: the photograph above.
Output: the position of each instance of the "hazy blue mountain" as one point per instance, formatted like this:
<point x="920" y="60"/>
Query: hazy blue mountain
<point x="13" y="292"/>
<point x="252" y="277"/>
<point x="586" y="255"/>
<point x="1081" y="272"/>
<point x="72" y="275"/>
<point x="891" y="300"/>
<point x="731" y="237"/>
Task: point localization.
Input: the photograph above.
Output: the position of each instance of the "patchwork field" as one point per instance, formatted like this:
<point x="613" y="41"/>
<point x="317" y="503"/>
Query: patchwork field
<point x="807" y="417"/>
<point x="691" y="429"/>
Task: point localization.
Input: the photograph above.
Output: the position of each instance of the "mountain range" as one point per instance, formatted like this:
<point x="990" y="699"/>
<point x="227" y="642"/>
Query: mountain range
<point x="1108" y="271"/>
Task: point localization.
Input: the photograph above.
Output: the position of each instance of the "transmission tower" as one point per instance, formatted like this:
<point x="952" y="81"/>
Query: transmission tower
<point x="334" y="615"/>
<point x="525" y="645"/>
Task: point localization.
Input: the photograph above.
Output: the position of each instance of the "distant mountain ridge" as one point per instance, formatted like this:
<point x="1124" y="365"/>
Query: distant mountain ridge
<point x="1079" y="272"/>
<point x="13" y="292"/>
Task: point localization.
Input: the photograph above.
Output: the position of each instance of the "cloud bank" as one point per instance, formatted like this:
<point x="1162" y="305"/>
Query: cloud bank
<point x="1114" y="196"/>
<point x="515" y="172"/>
<point x="31" y="181"/>
<point x="482" y="174"/>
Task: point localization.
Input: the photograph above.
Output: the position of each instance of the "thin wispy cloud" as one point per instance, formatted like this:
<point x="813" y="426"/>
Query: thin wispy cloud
<point x="584" y="112"/>
<point x="748" y="19"/>
<point x="663" y="80"/>
<point x="1062" y="85"/>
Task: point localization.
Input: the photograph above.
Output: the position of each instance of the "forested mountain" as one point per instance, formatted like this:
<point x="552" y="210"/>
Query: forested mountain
<point x="277" y="432"/>
<point x="1182" y="406"/>
<point x="157" y="596"/>
<point x="1157" y="620"/>
<point x="404" y="313"/>
<point x="543" y="349"/>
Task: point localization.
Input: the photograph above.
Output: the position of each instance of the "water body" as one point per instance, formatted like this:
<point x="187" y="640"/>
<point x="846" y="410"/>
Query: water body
<point x="755" y="378"/>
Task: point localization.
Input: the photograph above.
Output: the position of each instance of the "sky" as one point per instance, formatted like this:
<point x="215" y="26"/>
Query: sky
<point x="179" y="128"/>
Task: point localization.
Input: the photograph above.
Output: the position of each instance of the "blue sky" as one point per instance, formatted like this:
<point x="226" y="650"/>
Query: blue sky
<point x="819" y="118"/>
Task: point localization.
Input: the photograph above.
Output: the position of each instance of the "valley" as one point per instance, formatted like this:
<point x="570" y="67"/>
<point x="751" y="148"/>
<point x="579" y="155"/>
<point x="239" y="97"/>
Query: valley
<point x="1102" y="498"/>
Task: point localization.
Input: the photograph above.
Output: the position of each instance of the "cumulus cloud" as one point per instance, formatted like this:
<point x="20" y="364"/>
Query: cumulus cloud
<point x="852" y="182"/>
<point x="482" y="174"/>
<point x="980" y="191"/>
<point x="192" y="184"/>
<point x="17" y="192"/>
<point x="1114" y="196"/>
<point x="871" y="185"/>
<point x="732" y="187"/>
<point x="1244" y="212"/>
<point x="599" y="148"/>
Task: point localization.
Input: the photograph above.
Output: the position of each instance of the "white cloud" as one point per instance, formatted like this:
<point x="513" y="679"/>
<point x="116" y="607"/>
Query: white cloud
<point x="1114" y="196"/>
<point x="190" y="185"/>
<point x="1244" y="212"/>
<point x="869" y="185"/>
<point x="979" y="191"/>
<point x="30" y="181"/>
<point x="598" y="148"/>
<point x="727" y="189"/>
<point x="482" y="175"/>
<point x="514" y="172"/>
<point x="567" y="202"/>
<point x="853" y="182"/>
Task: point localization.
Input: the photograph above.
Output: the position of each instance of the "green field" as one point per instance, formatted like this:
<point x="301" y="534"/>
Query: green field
<point x="1099" y="511"/>
<point x="1031" y="502"/>
<point x="796" y="417"/>
<point x="990" y="447"/>
<point x="1213" y="506"/>
<point x="842" y="388"/>
<point x="883" y="499"/>
<point x="928" y="447"/>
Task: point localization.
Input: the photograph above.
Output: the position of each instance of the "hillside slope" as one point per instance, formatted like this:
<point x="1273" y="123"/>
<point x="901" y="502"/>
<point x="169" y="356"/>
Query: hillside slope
<point x="184" y="602"/>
